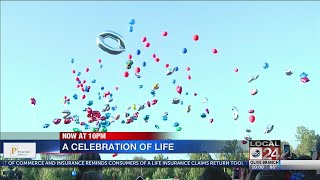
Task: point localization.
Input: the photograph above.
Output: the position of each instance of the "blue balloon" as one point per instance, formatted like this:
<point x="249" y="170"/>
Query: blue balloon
<point x="90" y="103"/>
<point x="46" y="125"/>
<point x="144" y="64"/>
<point x="99" y="93"/>
<point x="86" y="126"/>
<point x="102" y="88"/>
<point x="176" y="69"/>
<point x="265" y="66"/>
<point x="164" y="118"/>
<point x="176" y="124"/>
<point x="114" y="108"/>
<point x="203" y="115"/>
<point x="157" y="127"/>
<point x="108" y="115"/>
<point x="79" y="73"/>
<point x="111" y="95"/>
<point x="303" y="75"/>
<point x="94" y="81"/>
<point x="79" y="82"/>
<point x="132" y="21"/>
<point x="138" y="52"/>
<point x="174" y="81"/>
<point x="184" y="50"/>
<point x="74" y="173"/>
<point x="101" y="66"/>
<point x="105" y="123"/>
<point x="72" y="60"/>
<point x="75" y="96"/>
<point x="123" y="121"/>
<point x="100" y="97"/>
<point x="187" y="93"/>
<point x="140" y="86"/>
<point x="131" y="29"/>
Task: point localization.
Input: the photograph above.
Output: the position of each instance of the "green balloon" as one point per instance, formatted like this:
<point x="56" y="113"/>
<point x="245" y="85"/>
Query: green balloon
<point x="179" y="128"/>
<point x="76" y="130"/>
<point x="104" y="130"/>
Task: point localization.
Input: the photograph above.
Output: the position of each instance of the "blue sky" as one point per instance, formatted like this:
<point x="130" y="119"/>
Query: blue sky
<point x="38" y="40"/>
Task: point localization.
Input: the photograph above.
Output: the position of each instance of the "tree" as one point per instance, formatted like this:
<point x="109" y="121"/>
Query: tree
<point x="161" y="173"/>
<point x="307" y="140"/>
<point x="181" y="173"/>
<point x="126" y="174"/>
<point x="196" y="172"/>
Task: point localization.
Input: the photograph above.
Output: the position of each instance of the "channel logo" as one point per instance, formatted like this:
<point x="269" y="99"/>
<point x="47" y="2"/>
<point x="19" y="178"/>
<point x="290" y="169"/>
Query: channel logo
<point x="19" y="150"/>
<point x="255" y="153"/>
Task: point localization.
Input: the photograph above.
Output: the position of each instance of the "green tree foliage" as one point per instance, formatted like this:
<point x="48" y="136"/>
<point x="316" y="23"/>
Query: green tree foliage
<point x="195" y="172"/>
<point x="307" y="140"/>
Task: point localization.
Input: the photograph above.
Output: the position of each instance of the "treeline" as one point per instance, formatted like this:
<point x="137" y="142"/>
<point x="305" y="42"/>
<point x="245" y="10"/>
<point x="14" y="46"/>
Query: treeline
<point x="306" y="138"/>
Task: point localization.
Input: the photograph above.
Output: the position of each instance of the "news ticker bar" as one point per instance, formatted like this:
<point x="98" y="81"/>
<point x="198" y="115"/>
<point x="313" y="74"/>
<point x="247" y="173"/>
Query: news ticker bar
<point x="120" y="146"/>
<point x="124" y="163"/>
<point x="284" y="165"/>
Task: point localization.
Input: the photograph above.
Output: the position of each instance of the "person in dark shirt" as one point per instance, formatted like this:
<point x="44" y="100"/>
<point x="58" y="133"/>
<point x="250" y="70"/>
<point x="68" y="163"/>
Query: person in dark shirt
<point x="90" y="172"/>
<point x="316" y="156"/>
<point x="212" y="173"/>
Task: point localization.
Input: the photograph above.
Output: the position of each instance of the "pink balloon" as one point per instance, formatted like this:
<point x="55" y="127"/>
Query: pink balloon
<point x="179" y="89"/>
<point x="87" y="69"/>
<point x="251" y="111"/>
<point x="157" y="59"/>
<point x="215" y="51"/>
<point x="164" y="33"/>
<point x="211" y="120"/>
<point x="189" y="77"/>
<point x="252" y="118"/>
<point x="117" y="88"/>
<point x="137" y="70"/>
<point x="147" y="44"/>
<point x="195" y="37"/>
<point x="99" y="60"/>
<point x="144" y="39"/>
<point x="167" y="65"/>
<point x="126" y="74"/>
<point x="154" y="55"/>
<point x="236" y="70"/>
<point x="188" y="68"/>
<point x="130" y="56"/>
<point x="73" y="71"/>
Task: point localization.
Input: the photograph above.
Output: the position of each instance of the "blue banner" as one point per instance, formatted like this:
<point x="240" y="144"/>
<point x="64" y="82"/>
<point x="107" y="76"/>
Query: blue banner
<point x="125" y="163"/>
<point x="126" y="146"/>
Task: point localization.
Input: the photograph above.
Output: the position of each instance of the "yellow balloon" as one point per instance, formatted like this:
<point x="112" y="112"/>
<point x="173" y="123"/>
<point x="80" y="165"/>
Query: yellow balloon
<point x="156" y="86"/>
<point x="134" y="107"/>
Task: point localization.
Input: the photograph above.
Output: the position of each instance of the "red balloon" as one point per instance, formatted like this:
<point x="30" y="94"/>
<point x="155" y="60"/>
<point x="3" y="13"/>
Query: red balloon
<point x="211" y="120"/>
<point x="81" y="85"/>
<point x="99" y="60"/>
<point x="144" y="39"/>
<point x="154" y="102"/>
<point x="108" y="93"/>
<point x="189" y="77"/>
<point x="188" y="68"/>
<point x="244" y="142"/>
<point x="89" y="87"/>
<point x="73" y="71"/>
<point x="195" y="37"/>
<point x="137" y="70"/>
<point x="147" y="44"/>
<point x="154" y="55"/>
<point x="130" y="56"/>
<point x="117" y="88"/>
<point x="77" y="78"/>
<point x="84" y="81"/>
<point x="82" y="89"/>
<point x="167" y="65"/>
<point x="179" y="89"/>
<point x="252" y="118"/>
<point x="215" y="51"/>
<point x="148" y="103"/>
<point x="82" y="123"/>
<point x="157" y="59"/>
<point x="87" y="69"/>
<point x="65" y="97"/>
<point x="83" y="96"/>
<point x="126" y="74"/>
<point x="236" y="70"/>
<point x="78" y="85"/>
<point x="164" y="33"/>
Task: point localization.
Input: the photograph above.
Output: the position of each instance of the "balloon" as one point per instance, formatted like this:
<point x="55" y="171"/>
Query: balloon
<point x="176" y="69"/>
<point x="269" y="128"/>
<point x="74" y="173"/>
<point x="93" y="81"/>
<point x="147" y="44"/>
<point x="90" y="103"/>
<point x="33" y="101"/>
<point x="138" y="52"/>
<point x="187" y="93"/>
<point x="156" y="86"/>
<point x="157" y="59"/>
<point x="167" y="65"/>
<point x="79" y="73"/>
<point x="188" y="108"/>
<point x="154" y="55"/>
<point x="131" y="28"/>
<point x="87" y="69"/>
<point x="203" y="115"/>
<point x="207" y="111"/>
<point x="126" y="74"/>
<point x="189" y="77"/>
<point x="84" y="81"/>
<point x="129" y="56"/>
<point x="144" y="39"/>
<point x="176" y="124"/>
<point x="173" y="81"/>
<point x="195" y="94"/>
<point x="235" y="113"/>
<point x="76" y="130"/>
<point x="140" y="86"/>
<point x="148" y="103"/>
<point x="107" y="48"/>
<point x="211" y="120"/>
<point x="304" y="80"/>
<point x="101" y="66"/>
<point x="164" y="33"/>
<point x="195" y="37"/>
<point x="251" y="111"/>
<point x="184" y="50"/>
<point x="56" y="121"/>
<point x="266" y="65"/>
<point x="72" y="60"/>
<point x="115" y="155"/>
<point x="132" y="21"/>
<point x="137" y="70"/>
<point x="46" y="125"/>
<point x="244" y="142"/>
<point x="289" y="72"/>
<point x="154" y="102"/>
<point x="73" y="71"/>
<point x="236" y="70"/>
<point x="248" y="130"/>
<point x="215" y="51"/>
<point x="178" y="128"/>
<point x="157" y="126"/>
<point x="164" y="118"/>
<point x="99" y="60"/>
<point x="253" y="78"/>
<point x="83" y="96"/>
<point x="179" y="89"/>
<point x="104" y="129"/>
<point x="144" y="64"/>
<point x="303" y="75"/>
<point x="117" y="88"/>
<point x="175" y="101"/>
<point x="254" y="92"/>
<point x="252" y="118"/>
<point x="188" y="68"/>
